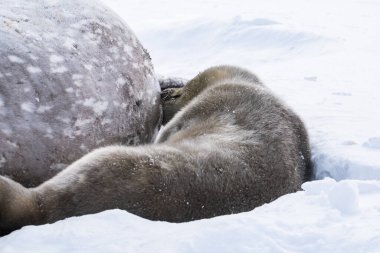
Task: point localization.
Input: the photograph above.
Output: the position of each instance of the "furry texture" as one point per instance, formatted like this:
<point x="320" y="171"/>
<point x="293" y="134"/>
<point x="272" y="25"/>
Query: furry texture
<point x="70" y="82"/>
<point x="229" y="146"/>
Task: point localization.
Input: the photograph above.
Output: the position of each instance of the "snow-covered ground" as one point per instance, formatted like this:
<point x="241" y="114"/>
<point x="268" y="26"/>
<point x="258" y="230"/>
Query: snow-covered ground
<point x="322" y="57"/>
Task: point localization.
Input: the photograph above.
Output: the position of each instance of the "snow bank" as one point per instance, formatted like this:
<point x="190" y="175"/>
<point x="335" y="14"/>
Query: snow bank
<point x="328" y="216"/>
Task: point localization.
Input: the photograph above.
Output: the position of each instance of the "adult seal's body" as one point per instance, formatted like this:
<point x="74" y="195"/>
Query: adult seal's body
<point x="73" y="77"/>
<point x="229" y="146"/>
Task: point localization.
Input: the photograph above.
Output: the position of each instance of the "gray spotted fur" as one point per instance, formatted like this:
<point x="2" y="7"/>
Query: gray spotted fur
<point x="73" y="77"/>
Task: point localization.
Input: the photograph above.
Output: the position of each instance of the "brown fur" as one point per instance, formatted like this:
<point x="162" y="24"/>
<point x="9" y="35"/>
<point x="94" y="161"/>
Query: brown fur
<point x="228" y="147"/>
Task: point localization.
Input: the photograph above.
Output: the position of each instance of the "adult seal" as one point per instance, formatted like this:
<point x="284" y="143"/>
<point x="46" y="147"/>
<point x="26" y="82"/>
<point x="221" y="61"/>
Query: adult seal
<point x="73" y="77"/>
<point x="229" y="146"/>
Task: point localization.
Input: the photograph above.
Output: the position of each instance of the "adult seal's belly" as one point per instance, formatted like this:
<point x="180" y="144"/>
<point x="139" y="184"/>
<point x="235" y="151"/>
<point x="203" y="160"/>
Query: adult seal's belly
<point x="73" y="77"/>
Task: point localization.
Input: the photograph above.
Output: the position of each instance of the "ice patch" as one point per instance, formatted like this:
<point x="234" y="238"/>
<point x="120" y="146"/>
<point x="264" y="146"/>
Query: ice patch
<point x="372" y="143"/>
<point x="28" y="107"/>
<point x="15" y="59"/>
<point x="33" y="69"/>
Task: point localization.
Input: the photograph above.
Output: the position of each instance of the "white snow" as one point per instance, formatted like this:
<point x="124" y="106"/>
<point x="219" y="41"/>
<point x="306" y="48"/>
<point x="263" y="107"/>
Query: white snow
<point x="372" y="143"/>
<point x="345" y="197"/>
<point x="321" y="57"/>
<point x="308" y="221"/>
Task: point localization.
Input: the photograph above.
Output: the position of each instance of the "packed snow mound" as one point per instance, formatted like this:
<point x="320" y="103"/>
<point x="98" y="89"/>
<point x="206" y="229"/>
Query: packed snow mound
<point x="241" y="41"/>
<point x="258" y="34"/>
<point x="328" y="216"/>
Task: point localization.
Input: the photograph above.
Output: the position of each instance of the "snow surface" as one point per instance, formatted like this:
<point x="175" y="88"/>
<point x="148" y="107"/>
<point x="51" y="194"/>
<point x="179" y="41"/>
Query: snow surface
<point x="322" y="58"/>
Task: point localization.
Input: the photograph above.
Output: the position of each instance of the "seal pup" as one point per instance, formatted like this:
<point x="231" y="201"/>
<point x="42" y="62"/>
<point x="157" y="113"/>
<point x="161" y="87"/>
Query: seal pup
<point x="229" y="145"/>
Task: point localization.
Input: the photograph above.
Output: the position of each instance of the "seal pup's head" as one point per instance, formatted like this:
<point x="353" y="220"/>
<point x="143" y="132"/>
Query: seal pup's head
<point x="175" y="98"/>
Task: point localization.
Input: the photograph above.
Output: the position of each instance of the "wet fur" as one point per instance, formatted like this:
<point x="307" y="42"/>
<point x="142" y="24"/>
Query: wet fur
<point x="228" y="146"/>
